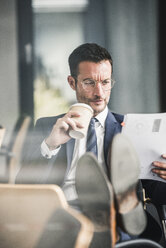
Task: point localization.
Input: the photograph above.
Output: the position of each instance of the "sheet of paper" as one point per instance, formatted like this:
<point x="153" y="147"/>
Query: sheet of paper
<point x="148" y="135"/>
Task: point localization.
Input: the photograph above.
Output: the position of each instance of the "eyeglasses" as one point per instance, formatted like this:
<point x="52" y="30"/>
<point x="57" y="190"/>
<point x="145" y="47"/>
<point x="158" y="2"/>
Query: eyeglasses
<point x="89" y="84"/>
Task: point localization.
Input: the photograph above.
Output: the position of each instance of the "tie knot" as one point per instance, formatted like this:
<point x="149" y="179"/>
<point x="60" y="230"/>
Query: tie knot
<point x="92" y="122"/>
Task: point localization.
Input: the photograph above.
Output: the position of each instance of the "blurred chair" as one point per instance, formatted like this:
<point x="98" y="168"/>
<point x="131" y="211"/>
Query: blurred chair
<point x="138" y="243"/>
<point x="13" y="151"/>
<point x="71" y="230"/>
<point x="160" y="216"/>
<point x="38" y="216"/>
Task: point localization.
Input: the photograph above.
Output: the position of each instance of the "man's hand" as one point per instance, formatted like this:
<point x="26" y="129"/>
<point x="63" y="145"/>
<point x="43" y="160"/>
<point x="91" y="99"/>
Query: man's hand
<point x="60" y="132"/>
<point x="160" y="168"/>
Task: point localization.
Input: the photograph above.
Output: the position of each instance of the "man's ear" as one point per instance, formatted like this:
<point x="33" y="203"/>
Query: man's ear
<point x="72" y="82"/>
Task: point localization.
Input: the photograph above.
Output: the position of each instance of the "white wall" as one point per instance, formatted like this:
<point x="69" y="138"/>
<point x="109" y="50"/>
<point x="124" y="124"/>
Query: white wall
<point x="133" y="43"/>
<point x="9" y="97"/>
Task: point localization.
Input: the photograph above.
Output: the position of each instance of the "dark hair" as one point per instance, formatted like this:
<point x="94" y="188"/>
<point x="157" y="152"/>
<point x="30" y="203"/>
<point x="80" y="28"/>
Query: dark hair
<point x="87" y="52"/>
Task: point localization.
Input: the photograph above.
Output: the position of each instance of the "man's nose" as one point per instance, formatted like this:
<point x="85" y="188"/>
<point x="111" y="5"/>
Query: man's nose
<point x="98" y="90"/>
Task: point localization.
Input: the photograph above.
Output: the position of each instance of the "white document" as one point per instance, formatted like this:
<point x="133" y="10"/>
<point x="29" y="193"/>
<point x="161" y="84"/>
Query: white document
<point x="148" y="135"/>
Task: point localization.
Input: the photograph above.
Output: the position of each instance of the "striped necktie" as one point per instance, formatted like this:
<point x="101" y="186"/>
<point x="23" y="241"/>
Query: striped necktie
<point x="91" y="138"/>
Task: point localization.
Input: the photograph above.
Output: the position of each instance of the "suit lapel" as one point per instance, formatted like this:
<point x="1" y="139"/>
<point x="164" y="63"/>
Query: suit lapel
<point x="112" y="127"/>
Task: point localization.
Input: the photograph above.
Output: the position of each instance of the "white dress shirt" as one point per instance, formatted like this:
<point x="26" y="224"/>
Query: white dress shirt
<point x="79" y="149"/>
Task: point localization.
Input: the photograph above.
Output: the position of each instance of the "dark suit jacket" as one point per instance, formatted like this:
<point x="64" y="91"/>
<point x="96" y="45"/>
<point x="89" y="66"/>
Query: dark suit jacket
<point x="37" y="169"/>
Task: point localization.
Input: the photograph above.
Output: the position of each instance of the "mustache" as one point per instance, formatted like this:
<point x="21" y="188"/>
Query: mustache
<point x="97" y="98"/>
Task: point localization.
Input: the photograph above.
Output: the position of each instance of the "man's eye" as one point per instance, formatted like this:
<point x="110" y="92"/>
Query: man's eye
<point x="89" y="83"/>
<point x="106" y="82"/>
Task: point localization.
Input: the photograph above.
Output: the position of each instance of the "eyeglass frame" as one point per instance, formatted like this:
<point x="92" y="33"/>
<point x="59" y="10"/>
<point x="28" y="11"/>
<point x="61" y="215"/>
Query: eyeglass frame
<point x="95" y="81"/>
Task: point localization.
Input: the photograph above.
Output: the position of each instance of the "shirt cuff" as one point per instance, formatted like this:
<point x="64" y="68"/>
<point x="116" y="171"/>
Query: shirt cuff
<point x="46" y="152"/>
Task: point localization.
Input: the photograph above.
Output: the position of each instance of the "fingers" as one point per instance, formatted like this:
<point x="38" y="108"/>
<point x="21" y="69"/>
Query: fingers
<point x="164" y="155"/>
<point x="70" y="120"/>
<point x="60" y="131"/>
<point x="159" y="164"/>
<point x="160" y="169"/>
<point x="64" y="125"/>
<point x="160" y="173"/>
<point x="72" y="114"/>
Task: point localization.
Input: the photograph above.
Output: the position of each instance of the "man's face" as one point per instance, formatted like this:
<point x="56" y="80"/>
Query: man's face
<point x="96" y="97"/>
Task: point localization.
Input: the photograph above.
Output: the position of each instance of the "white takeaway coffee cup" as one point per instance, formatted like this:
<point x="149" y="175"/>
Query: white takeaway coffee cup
<point x="86" y="113"/>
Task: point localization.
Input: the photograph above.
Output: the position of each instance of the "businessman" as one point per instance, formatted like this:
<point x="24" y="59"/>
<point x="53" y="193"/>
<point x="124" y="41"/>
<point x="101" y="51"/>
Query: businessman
<point x="54" y="154"/>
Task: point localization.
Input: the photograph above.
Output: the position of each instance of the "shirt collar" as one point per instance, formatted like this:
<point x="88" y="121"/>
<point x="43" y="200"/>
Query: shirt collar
<point x="101" y="117"/>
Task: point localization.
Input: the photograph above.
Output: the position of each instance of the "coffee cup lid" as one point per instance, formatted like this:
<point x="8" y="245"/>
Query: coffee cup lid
<point x="82" y="105"/>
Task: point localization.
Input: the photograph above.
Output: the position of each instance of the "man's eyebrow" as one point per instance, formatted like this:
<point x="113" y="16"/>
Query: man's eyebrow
<point x="107" y="79"/>
<point x="87" y="79"/>
<point x="94" y="79"/>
